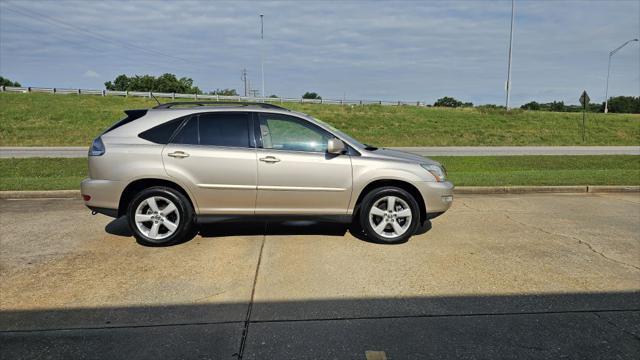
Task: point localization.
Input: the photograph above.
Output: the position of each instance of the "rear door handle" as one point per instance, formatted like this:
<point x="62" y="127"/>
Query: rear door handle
<point x="270" y="159"/>
<point x="178" y="154"/>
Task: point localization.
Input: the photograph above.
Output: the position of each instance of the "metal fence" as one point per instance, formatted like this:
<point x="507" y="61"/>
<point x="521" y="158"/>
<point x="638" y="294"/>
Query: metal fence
<point x="173" y="96"/>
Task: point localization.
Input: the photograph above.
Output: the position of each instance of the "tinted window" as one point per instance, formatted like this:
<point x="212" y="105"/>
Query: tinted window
<point x="225" y="129"/>
<point x="282" y="132"/>
<point x="189" y="133"/>
<point x="131" y="116"/>
<point x="161" y="134"/>
<point x="231" y="129"/>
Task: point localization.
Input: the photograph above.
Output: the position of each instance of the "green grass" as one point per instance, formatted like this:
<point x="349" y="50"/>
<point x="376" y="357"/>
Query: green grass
<point x="56" y="174"/>
<point x="42" y="173"/>
<point x="542" y="170"/>
<point x="57" y="120"/>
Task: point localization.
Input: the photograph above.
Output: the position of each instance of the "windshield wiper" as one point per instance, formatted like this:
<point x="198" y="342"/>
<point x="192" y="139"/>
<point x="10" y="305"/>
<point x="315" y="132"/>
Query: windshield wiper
<point x="370" y="147"/>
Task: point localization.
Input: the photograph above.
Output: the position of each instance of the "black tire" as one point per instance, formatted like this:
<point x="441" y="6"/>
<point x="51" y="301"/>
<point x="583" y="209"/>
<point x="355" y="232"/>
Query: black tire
<point x="184" y="213"/>
<point x="375" y="196"/>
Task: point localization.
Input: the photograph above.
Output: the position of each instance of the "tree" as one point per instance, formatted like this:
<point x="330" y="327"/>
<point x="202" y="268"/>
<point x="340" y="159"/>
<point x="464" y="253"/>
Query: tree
<point x="164" y="83"/>
<point x="557" y="106"/>
<point x="448" y="102"/>
<point x="224" y="92"/>
<point x="274" y="96"/>
<point x="530" y="106"/>
<point x="311" y="95"/>
<point x="7" y="82"/>
<point x="624" y="104"/>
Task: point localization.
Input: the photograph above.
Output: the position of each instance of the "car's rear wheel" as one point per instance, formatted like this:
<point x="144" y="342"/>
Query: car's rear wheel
<point x="389" y="215"/>
<point x="160" y="216"/>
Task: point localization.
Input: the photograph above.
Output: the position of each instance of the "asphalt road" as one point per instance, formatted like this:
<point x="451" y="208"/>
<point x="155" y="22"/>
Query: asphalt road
<point x="501" y="276"/>
<point x="80" y="152"/>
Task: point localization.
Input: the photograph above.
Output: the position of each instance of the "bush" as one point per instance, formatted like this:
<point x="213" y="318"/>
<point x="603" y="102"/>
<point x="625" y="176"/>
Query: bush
<point x="311" y="95"/>
<point x="448" y="102"/>
<point x="224" y="92"/>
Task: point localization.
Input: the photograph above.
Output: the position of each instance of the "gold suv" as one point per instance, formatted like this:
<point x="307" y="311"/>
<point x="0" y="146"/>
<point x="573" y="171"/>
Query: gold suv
<point x="178" y="165"/>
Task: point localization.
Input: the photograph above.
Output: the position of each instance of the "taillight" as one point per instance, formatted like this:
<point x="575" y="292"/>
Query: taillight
<point x="97" y="147"/>
<point x="86" y="197"/>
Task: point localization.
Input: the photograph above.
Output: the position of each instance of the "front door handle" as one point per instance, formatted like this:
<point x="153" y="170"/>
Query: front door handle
<point x="178" y="154"/>
<point x="270" y="159"/>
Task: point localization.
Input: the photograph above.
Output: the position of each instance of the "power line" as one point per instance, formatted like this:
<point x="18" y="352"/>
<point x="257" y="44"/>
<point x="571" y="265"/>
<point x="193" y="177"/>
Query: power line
<point x="57" y="22"/>
<point x="84" y="44"/>
<point x="88" y="47"/>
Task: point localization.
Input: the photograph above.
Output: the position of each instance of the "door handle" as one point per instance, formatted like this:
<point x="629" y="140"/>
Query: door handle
<point x="178" y="154"/>
<point x="270" y="159"/>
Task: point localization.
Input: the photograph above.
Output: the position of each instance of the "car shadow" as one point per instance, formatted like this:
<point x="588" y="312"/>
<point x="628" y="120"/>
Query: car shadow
<point x="120" y="227"/>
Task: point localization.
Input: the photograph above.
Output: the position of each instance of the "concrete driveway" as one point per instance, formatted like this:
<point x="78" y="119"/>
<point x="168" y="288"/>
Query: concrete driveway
<point x="503" y="276"/>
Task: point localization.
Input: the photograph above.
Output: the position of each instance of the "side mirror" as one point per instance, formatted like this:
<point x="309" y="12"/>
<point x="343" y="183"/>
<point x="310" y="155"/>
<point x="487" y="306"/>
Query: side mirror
<point x="336" y="146"/>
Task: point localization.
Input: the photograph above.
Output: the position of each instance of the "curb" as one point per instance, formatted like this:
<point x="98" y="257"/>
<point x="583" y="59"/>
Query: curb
<point x="40" y="194"/>
<point x="460" y="190"/>
<point x="518" y="189"/>
<point x="546" y="189"/>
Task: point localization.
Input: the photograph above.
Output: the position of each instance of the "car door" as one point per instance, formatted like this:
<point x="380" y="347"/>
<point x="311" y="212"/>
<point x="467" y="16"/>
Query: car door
<point x="214" y="155"/>
<point x="296" y="175"/>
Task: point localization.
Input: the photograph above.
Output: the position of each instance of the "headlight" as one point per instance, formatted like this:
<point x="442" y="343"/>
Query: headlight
<point x="97" y="147"/>
<point x="438" y="172"/>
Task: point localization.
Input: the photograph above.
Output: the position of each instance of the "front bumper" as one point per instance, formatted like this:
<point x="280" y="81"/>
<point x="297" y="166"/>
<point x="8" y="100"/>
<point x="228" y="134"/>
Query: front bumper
<point x="104" y="195"/>
<point x="438" y="196"/>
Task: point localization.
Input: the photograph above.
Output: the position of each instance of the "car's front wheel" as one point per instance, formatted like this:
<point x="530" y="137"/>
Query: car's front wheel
<point x="160" y="216"/>
<point x="389" y="215"/>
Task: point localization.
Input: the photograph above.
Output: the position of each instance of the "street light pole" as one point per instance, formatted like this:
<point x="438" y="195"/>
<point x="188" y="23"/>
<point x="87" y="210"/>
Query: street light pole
<point x="606" y="91"/>
<point x="510" y="52"/>
<point x="262" y="52"/>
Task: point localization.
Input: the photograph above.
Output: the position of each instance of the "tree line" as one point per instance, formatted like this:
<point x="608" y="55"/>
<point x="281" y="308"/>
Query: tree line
<point x="165" y="83"/>
<point x="617" y="104"/>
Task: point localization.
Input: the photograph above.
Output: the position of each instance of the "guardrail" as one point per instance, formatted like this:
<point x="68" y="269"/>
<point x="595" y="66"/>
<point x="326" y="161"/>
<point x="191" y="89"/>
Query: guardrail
<point x="173" y="96"/>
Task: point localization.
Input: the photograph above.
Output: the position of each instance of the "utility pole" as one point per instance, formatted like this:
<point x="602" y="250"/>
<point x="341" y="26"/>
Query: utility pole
<point x="244" y="80"/>
<point x="262" y="51"/>
<point x="510" y="53"/>
<point x="606" y="90"/>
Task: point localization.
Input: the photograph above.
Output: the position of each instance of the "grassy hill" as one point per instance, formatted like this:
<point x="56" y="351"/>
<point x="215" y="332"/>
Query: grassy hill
<point x="72" y="120"/>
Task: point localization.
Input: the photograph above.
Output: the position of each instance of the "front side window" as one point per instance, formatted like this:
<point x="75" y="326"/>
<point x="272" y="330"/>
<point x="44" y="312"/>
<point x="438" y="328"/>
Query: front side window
<point x="216" y="129"/>
<point x="281" y="132"/>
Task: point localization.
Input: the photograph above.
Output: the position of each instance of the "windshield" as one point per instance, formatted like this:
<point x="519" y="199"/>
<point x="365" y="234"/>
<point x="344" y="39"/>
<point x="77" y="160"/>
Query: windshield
<point x="341" y="134"/>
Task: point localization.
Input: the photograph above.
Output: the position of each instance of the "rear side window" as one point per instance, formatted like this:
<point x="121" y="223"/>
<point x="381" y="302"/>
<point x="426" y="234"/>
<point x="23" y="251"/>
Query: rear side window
<point x="131" y="116"/>
<point x="162" y="133"/>
<point x="216" y="129"/>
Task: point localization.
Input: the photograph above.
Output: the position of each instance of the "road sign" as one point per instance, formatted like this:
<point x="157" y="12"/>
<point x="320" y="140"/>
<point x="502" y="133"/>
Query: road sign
<point x="584" y="99"/>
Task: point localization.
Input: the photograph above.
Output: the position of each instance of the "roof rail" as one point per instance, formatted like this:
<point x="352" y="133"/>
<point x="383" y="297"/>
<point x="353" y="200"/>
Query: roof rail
<point x="205" y="103"/>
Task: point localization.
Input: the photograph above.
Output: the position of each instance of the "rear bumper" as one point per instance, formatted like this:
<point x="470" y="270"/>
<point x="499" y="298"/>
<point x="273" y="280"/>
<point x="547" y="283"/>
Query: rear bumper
<point x="438" y="196"/>
<point x="104" y="195"/>
<point x="104" y="211"/>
